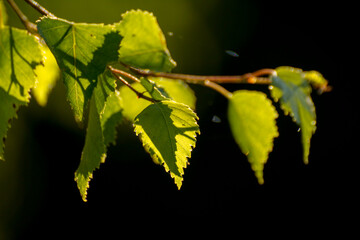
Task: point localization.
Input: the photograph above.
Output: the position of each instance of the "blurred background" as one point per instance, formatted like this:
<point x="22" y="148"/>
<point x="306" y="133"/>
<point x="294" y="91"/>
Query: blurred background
<point x="38" y="195"/>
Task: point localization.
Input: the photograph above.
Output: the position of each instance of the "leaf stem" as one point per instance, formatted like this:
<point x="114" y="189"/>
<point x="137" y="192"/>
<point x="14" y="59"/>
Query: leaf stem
<point x="220" y="89"/>
<point x="39" y="8"/>
<point x="31" y="27"/>
<point x="115" y="73"/>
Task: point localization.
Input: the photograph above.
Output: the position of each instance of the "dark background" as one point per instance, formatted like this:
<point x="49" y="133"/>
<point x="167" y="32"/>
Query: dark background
<point x="38" y="195"/>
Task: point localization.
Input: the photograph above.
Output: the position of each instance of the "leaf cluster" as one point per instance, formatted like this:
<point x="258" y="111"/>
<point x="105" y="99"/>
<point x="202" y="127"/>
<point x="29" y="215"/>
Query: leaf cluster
<point x="96" y="61"/>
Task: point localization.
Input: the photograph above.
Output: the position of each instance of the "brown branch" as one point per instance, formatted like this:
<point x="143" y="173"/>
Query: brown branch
<point x="220" y="89"/>
<point x="39" y="8"/>
<point x="248" y="78"/>
<point x="31" y="27"/>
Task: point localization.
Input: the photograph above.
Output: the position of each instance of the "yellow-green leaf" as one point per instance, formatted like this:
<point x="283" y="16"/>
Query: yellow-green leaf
<point x="47" y="75"/>
<point x="252" y="119"/>
<point x="293" y="90"/>
<point x="82" y="52"/>
<point x="94" y="151"/>
<point x="105" y="114"/>
<point x="144" y="44"/>
<point x="19" y="56"/>
<point x="168" y="132"/>
<point x="3" y="15"/>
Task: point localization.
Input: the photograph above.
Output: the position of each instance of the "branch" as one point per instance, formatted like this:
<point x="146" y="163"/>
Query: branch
<point x="220" y="89"/>
<point x="248" y="78"/>
<point x="39" y="8"/>
<point x="31" y="27"/>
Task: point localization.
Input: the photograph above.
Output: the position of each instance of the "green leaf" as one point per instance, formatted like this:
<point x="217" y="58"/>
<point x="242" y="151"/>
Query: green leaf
<point x="105" y="114"/>
<point x="8" y="111"/>
<point x="168" y="132"/>
<point x="153" y="90"/>
<point x="177" y="90"/>
<point x="144" y="44"/>
<point x="133" y="105"/>
<point x="3" y="15"/>
<point x="317" y="80"/>
<point x="47" y="75"/>
<point x="293" y="90"/>
<point x="82" y="52"/>
<point x="19" y="56"/>
<point x="94" y="151"/>
<point x="252" y="119"/>
<point x="111" y="117"/>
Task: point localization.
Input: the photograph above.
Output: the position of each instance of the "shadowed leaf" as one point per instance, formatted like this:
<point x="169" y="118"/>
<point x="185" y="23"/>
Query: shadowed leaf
<point x="19" y="56"/>
<point x="293" y="90"/>
<point x="82" y="52"/>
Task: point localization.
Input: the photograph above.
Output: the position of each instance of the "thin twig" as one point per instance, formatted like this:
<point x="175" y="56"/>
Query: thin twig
<point x="121" y="79"/>
<point x="248" y="78"/>
<point x="220" y="89"/>
<point x="39" y="8"/>
<point x="31" y="27"/>
<point x="124" y="74"/>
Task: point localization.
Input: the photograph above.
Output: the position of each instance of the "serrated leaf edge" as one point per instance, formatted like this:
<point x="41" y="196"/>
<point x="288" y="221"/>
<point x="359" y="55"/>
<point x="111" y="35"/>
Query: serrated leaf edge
<point x="178" y="179"/>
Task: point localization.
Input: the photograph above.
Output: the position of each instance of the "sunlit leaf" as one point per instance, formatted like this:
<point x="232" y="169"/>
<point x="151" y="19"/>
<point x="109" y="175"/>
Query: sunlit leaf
<point x="153" y="90"/>
<point x="177" y="90"/>
<point x="47" y="75"/>
<point x="168" y="132"/>
<point x="173" y="89"/>
<point x="252" y="120"/>
<point x="94" y="151"/>
<point x="144" y="44"/>
<point x="82" y="52"/>
<point x="19" y="56"/>
<point x="104" y="115"/>
<point x="3" y="15"/>
<point x="317" y="80"/>
<point x="133" y="105"/>
<point x="293" y="90"/>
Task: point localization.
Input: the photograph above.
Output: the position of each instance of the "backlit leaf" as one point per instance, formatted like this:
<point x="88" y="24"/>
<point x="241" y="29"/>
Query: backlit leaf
<point x="144" y="44"/>
<point x="94" y="151"/>
<point x="104" y="115"/>
<point x="293" y="90"/>
<point x="168" y="132"/>
<point x="317" y="80"/>
<point x="174" y="89"/>
<point x="177" y="90"/>
<point x="47" y="75"/>
<point x="252" y="120"/>
<point x="3" y="15"/>
<point x="133" y="105"/>
<point x="82" y="52"/>
<point x="19" y="56"/>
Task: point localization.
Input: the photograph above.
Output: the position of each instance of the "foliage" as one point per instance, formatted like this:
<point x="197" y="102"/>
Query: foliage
<point x="252" y="121"/>
<point x="96" y="61"/>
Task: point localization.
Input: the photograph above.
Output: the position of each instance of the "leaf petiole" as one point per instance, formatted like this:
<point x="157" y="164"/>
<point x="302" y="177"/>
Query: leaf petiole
<point x="115" y="73"/>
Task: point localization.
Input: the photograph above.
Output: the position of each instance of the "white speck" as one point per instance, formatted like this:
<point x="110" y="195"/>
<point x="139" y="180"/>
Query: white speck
<point x="232" y="53"/>
<point x="216" y="119"/>
<point x="170" y="34"/>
